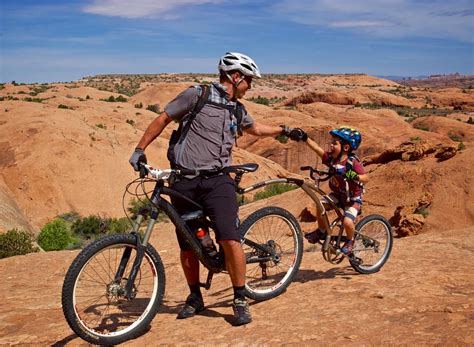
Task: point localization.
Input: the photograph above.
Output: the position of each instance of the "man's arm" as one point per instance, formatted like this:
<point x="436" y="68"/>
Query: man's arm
<point x="154" y="130"/>
<point x="259" y="129"/>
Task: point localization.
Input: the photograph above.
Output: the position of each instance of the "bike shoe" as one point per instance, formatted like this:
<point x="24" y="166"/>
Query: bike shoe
<point x="241" y="312"/>
<point x="194" y="304"/>
<point x="347" y="248"/>
<point x="315" y="236"/>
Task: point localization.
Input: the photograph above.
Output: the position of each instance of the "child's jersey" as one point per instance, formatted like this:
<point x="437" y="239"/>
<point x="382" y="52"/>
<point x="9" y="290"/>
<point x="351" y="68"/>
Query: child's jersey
<point x="337" y="182"/>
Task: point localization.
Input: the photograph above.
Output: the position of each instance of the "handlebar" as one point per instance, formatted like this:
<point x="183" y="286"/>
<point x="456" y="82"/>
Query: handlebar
<point x="159" y="174"/>
<point x="323" y="175"/>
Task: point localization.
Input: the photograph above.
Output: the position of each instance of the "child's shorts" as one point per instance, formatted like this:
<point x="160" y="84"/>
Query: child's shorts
<point x="351" y="209"/>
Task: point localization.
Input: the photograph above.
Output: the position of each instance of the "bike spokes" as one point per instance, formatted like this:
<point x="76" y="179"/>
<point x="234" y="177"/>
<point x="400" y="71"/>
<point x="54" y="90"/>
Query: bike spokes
<point x="99" y="295"/>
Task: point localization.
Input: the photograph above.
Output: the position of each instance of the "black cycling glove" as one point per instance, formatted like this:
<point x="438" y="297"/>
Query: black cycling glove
<point x="138" y="156"/>
<point x="296" y="134"/>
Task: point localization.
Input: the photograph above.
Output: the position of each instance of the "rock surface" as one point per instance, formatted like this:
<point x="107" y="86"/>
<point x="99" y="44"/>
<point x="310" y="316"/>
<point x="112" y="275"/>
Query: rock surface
<point x="422" y="296"/>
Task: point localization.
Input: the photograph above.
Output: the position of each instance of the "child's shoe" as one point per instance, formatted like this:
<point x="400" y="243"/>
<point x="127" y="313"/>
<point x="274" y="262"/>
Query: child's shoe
<point x="315" y="236"/>
<point x="347" y="248"/>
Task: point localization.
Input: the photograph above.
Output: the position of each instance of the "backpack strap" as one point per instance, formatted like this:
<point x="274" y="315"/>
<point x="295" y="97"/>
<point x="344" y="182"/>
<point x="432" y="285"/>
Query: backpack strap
<point x="178" y="135"/>
<point x="350" y="166"/>
<point x="197" y="108"/>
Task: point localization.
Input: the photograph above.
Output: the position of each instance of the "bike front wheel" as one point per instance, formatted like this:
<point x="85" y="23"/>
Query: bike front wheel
<point x="273" y="245"/>
<point x="93" y="296"/>
<point x="373" y="244"/>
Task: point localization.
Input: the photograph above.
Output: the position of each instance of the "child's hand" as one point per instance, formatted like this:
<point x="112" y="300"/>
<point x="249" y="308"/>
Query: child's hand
<point x="351" y="175"/>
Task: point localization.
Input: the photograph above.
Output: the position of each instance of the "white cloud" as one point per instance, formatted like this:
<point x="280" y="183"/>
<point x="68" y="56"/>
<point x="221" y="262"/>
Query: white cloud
<point x="142" y="8"/>
<point x="386" y="18"/>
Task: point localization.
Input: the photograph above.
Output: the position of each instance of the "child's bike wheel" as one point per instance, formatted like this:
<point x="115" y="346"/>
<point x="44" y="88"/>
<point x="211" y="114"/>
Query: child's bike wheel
<point x="373" y="244"/>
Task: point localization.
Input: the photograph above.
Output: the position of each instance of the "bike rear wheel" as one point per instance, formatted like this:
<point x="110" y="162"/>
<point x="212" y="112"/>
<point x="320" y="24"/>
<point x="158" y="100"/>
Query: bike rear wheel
<point x="93" y="297"/>
<point x="273" y="245"/>
<point x="373" y="244"/>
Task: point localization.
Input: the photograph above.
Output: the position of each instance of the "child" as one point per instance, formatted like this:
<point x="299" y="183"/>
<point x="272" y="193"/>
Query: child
<point x="346" y="184"/>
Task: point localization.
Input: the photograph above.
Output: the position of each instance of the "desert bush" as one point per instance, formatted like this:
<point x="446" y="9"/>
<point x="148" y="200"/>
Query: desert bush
<point x="135" y="205"/>
<point x="111" y="98"/>
<point x="130" y="121"/>
<point x="88" y="227"/>
<point x="55" y="236"/>
<point x="421" y="127"/>
<point x="63" y="106"/>
<point x="470" y="120"/>
<point x="101" y="126"/>
<point x="461" y="146"/>
<point x="140" y="105"/>
<point x="16" y="242"/>
<point x="454" y="137"/>
<point x="281" y="138"/>
<point x="274" y="189"/>
<point x="118" y="225"/>
<point x="154" y="108"/>
<point x="260" y="100"/>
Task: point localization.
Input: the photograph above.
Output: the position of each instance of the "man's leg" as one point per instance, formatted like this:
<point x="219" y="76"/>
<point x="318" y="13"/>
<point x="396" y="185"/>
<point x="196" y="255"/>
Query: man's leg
<point x="235" y="264"/>
<point x="234" y="261"/>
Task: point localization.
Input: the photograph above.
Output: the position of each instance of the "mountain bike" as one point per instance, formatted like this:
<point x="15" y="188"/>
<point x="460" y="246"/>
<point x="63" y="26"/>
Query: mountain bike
<point x="115" y="286"/>
<point x="373" y="235"/>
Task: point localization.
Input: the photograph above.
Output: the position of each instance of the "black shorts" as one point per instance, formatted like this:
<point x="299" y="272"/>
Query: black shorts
<point x="217" y="196"/>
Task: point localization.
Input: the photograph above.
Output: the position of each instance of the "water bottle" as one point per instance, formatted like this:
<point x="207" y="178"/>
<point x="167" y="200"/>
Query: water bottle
<point x="207" y="244"/>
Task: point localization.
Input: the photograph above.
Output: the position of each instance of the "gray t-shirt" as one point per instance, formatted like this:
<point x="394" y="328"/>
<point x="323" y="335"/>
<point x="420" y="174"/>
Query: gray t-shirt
<point x="209" y="141"/>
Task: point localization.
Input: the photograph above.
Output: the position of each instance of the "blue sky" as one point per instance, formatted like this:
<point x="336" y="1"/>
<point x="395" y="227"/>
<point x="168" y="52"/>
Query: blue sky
<point x="46" y="40"/>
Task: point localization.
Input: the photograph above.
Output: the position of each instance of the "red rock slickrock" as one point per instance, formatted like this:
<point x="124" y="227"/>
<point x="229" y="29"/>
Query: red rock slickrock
<point x="68" y="149"/>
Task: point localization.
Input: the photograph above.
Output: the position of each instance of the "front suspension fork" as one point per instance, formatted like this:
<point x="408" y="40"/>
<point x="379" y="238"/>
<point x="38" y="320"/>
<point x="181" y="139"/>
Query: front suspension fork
<point x="141" y="247"/>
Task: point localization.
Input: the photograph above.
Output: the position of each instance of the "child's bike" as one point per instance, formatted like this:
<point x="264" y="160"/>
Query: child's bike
<point x="373" y="235"/>
<point x="115" y="286"/>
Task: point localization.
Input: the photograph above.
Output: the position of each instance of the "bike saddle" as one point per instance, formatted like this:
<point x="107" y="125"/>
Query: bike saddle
<point x="244" y="167"/>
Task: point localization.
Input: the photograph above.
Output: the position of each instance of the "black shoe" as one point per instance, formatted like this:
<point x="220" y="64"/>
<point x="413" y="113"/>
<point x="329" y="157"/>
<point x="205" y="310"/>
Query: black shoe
<point x="194" y="304"/>
<point x="315" y="236"/>
<point x="241" y="312"/>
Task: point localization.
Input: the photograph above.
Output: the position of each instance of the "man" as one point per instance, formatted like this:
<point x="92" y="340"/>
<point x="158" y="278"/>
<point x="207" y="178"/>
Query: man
<point x="207" y="146"/>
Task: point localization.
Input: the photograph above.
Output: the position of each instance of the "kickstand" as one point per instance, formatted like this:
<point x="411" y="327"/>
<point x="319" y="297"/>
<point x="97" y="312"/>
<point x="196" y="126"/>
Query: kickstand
<point x="207" y="285"/>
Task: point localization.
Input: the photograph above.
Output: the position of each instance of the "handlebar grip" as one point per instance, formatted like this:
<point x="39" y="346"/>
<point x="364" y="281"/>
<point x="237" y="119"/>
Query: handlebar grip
<point x="142" y="170"/>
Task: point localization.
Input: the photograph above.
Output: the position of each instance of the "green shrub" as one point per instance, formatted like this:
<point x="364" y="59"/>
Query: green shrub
<point x="461" y="146"/>
<point x="153" y="108"/>
<point x="16" y="242"/>
<point x="88" y="227"/>
<point x="274" y="189"/>
<point x="260" y="100"/>
<point x="135" y="205"/>
<point x="118" y="225"/>
<point x="422" y="127"/>
<point x="102" y="126"/>
<point x="140" y="105"/>
<point x="282" y="138"/>
<point x="55" y="236"/>
<point x="63" y="106"/>
<point x="454" y="137"/>
<point x="470" y="120"/>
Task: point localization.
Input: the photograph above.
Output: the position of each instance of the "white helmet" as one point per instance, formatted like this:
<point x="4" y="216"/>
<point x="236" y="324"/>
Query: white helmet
<point x="239" y="62"/>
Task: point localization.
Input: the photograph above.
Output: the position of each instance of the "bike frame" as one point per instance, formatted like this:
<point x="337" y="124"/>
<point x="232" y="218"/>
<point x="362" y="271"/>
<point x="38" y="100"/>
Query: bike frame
<point x="312" y="190"/>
